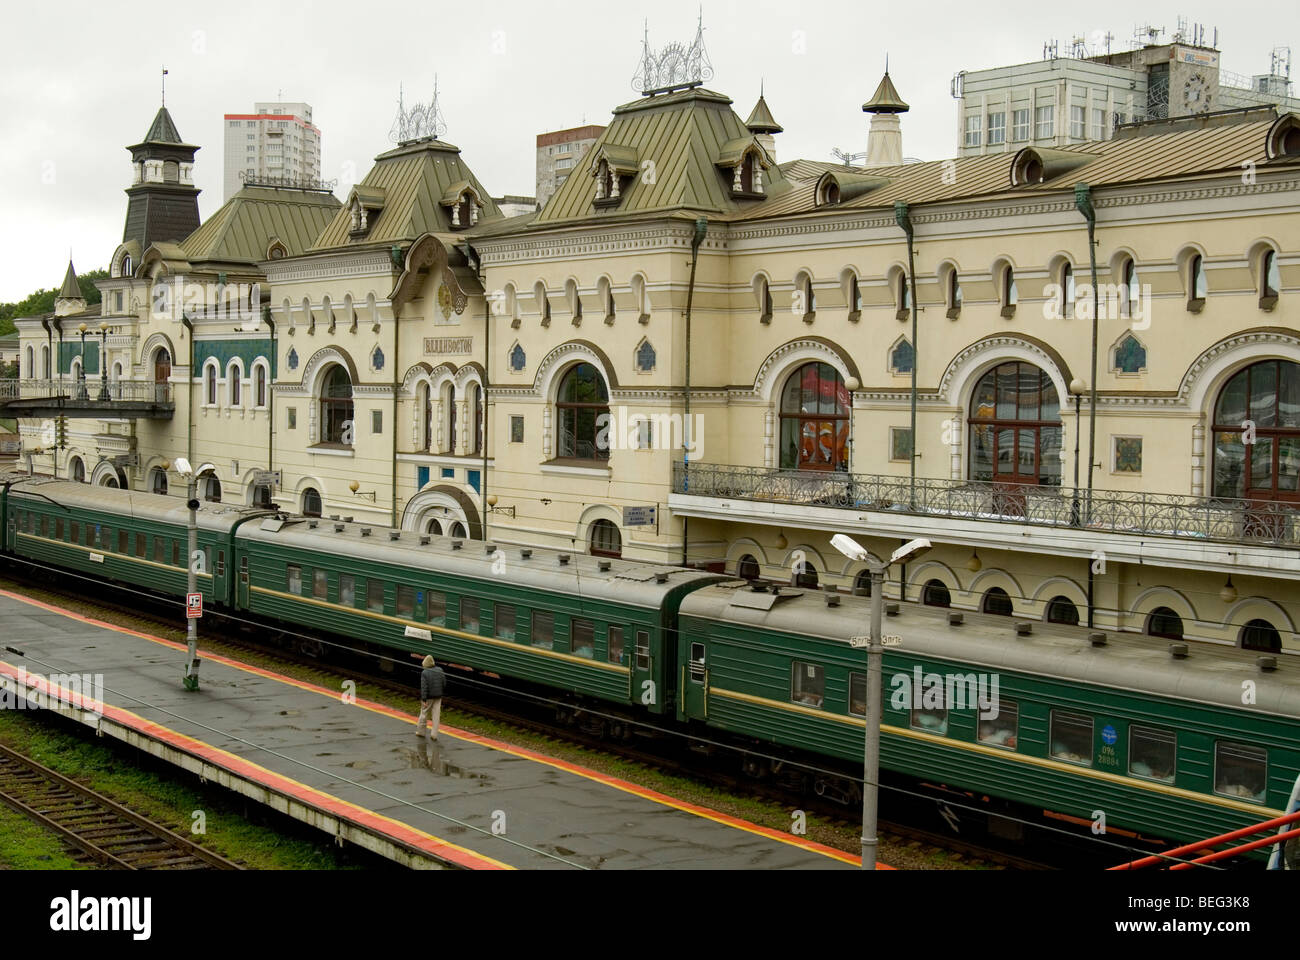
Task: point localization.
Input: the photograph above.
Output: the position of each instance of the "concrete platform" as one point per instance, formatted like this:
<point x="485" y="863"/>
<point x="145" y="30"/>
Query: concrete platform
<point x="355" y="768"/>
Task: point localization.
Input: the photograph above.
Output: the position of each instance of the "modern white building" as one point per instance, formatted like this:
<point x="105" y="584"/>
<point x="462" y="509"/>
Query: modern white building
<point x="277" y="141"/>
<point x="558" y="153"/>
<point x="1061" y="100"/>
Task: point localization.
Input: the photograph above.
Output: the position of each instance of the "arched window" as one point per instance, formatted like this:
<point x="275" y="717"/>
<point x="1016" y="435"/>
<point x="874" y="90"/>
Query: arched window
<point x="45" y="361"/>
<point x="1130" y="355"/>
<point x="1196" y="286"/>
<point x="336" y="407"/>
<point x="209" y="486"/>
<point x="604" y="539"/>
<point x="449" y="416"/>
<point x="764" y="300"/>
<point x="997" y="602"/>
<point x="1257" y="433"/>
<point x="458" y="530"/>
<point x="954" y="294"/>
<point x="642" y="297"/>
<point x="210" y="384"/>
<point x="936" y="594"/>
<point x="311" y="504"/>
<point x="1261" y="635"/>
<point x="903" y="296"/>
<point x="815" y="419"/>
<point x="1010" y="294"/>
<point x="1015" y="426"/>
<point x="804" y="575"/>
<point x="1163" y="622"/>
<point x="126" y="266"/>
<point x="424" y="397"/>
<point x="1067" y="291"/>
<point x="807" y="295"/>
<point x="158" y="481"/>
<point x="862" y="584"/>
<point x="1130" y="292"/>
<point x="433" y="528"/>
<point x="78" y="470"/>
<point x="1062" y="610"/>
<point x="1271" y="280"/>
<point x="235" y="383"/>
<point x="31" y="363"/>
<point x="581" y="401"/>
<point x="162" y="372"/>
<point x="171" y="171"/>
<point x="259" y="384"/>
<point x="747" y="569"/>
<point x="475" y="413"/>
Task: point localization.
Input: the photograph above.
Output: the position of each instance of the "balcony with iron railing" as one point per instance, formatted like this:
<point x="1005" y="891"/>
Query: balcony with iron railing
<point x="86" y="397"/>
<point x="1166" y="516"/>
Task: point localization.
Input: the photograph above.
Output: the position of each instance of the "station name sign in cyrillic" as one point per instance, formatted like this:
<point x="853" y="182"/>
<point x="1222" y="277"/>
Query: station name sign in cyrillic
<point x="442" y="346"/>
<point x="639" y="517"/>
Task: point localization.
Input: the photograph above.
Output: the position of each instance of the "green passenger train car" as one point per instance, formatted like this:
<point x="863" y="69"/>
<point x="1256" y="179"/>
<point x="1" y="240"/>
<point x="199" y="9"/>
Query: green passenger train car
<point x="1178" y="748"/>
<point x="595" y="628"/>
<point x="120" y="535"/>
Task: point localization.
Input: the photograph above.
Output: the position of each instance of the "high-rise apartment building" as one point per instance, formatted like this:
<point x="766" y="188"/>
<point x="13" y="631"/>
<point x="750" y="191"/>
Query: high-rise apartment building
<point x="558" y="153"/>
<point x="277" y="141"/>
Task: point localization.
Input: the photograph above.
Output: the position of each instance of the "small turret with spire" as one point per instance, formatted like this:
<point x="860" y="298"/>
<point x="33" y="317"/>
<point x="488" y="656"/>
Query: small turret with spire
<point x="885" y="139"/>
<point x="763" y="126"/>
<point x="69" y="299"/>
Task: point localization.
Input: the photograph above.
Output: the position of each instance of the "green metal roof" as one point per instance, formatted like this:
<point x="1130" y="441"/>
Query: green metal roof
<point x="414" y="179"/>
<point x="760" y="118"/>
<point x="681" y="137"/>
<point x="70" y="289"/>
<point x="243" y="229"/>
<point x="885" y="99"/>
<point x="163" y="129"/>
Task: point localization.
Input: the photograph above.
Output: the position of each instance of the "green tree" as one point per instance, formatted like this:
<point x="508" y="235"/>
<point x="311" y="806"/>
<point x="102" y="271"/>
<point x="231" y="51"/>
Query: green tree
<point x="42" y="301"/>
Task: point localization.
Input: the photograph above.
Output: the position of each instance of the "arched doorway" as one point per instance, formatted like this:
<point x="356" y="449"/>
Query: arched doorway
<point x="815" y="419"/>
<point x="580" y="402"/>
<point x="78" y="470"/>
<point x="1015" y="427"/>
<point x="209" y="486"/>
<point x="336" y="407"/>
<point x="1257" y="434"/>
<point x="604" y="540"/>
<point x="158" y="481"/>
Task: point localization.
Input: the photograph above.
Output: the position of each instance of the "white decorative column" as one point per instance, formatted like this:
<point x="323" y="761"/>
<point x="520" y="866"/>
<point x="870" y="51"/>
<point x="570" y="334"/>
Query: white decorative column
<point x="769" y="436"/>
<point x="1198" y="457"/>
<point x="955" y="444"/>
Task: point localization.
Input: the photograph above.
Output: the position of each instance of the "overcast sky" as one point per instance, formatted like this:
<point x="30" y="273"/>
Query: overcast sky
<point x="80" y="81"/>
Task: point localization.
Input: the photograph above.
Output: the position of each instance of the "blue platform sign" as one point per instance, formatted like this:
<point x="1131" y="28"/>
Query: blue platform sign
<point x="1108" y="735"/>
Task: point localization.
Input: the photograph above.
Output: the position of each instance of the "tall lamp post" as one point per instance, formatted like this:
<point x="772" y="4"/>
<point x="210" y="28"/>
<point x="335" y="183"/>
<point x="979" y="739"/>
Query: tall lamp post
<point x="103" y="361"/>
<point x="186" y="473"/>
<point x="82" y="392"/>
<point x="871" y="748"/>
<point x="1077" y="388"/>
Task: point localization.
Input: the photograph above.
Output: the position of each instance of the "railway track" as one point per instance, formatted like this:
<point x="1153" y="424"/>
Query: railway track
<point x="682" y="761"/>
<point x="101" y="830"/>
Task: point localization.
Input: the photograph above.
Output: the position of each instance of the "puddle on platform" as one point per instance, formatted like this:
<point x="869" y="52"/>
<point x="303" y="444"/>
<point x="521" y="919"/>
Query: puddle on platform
<point x="360" y="764"/>
<point x="430" y="756"/>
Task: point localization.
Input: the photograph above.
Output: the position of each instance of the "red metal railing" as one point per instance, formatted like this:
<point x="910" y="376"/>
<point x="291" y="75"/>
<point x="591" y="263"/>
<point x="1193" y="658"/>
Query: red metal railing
<point x="1178" y="852"/>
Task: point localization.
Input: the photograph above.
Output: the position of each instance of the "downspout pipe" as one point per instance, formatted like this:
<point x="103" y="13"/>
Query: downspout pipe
<point x="1083" y="203"/>
<point x="270" y="399"/>
<point x="189" y="413"/>
<point x="697" y="238"/>
<point x="396" y="253"/>
<point x="904" y="220"/>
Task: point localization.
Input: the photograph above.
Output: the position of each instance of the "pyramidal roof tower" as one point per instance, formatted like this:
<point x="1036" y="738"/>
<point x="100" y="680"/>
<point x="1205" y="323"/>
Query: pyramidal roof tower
<point x="164" y="203"/>
<point x="762" y="125"/>
<point x="885" y="140"/>
<point x="69" y="299"/>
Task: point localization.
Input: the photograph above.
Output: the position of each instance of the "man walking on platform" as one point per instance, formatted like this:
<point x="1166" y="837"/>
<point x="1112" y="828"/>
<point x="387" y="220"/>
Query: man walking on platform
<point x="432" y="684"/>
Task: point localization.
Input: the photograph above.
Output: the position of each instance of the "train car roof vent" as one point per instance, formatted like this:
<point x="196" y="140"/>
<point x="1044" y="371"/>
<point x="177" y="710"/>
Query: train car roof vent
<point x="312" y="524"/>
<point x="334" y="516"/>
<point x="891" y="609"/>
<point x="603" y="566"/>
<point x="525" y="553"/>
<point x="563" y="558"/>
<point x="661" y="577"/>
<point x="424" y="541"/>
<point x="489" y="549"/>
<point x="348" y="519"/>
<point x="394" y="535"/>
<point x="272" y="524"/>
<point x="955" y="619"/>
<point x="339" y="528"/>
<point x="1267" y="664"/>
<point x="832" y="599"/>
<point x="1178" y="651"/>
<point x="365" y="531"/>
<point x="1097" y="639"/>
<point x="457" y="544"/>
<point x="1024" y="628"/>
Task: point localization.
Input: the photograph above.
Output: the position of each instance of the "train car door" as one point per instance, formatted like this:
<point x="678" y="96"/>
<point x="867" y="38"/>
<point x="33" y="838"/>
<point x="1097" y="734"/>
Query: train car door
<point x="695" y="685"/>
<point x="241" y="597"/>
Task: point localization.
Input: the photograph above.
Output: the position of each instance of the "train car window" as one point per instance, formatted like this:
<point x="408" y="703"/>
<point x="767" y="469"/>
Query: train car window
<point x="375" y="595"/>
<point x="543" y="629"/>
<point x="159" y="551"/>
<point x="807" y="684"/>
<point x="1151" y="753"/>
<point x="221" y="563"/>
<point x="436" y="607"/>
<point x="76" y="532"/>
<point x="405" y="601"/>
<point x="123" y="542"/>
<point x="320" y="580"/>
<point x="105" y="537"/>
<point x="295" y="579"/>
<point x="614" y="645"/>
<point x="697" y="663"/>
<point x="1072" y="737"/>
<point x="176" y="553"/>
<point x="469" y="614"/>
<point x="141" y="547"/>
<point x="858" y="694"/>
<point x="207" y="558"/>
<point x="1240" y="770"/>
<point x="930" y="719"/>
<point x="347" y="590"/>
<point x="582" y="638"/>
<point x="505" y="621"/>
<point x="45" y="526"/>
<point x="1004" y="729"/>
<point x="58" y="528"/>
<point x="642" y="650"/>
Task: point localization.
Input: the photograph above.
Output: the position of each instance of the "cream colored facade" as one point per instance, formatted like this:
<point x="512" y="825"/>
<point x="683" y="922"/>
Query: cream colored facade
<point x="427" y="322"/>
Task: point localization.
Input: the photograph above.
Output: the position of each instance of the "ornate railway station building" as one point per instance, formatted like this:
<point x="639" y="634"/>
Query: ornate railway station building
<point x="768" y="351"/>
